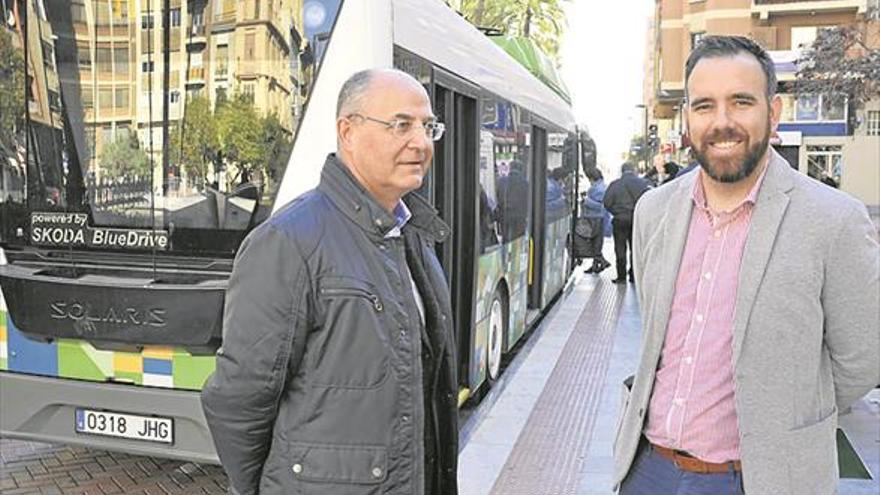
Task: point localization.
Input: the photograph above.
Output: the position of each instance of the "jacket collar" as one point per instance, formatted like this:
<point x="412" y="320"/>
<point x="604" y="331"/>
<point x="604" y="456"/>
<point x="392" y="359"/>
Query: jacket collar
<point x="359" y="206"/>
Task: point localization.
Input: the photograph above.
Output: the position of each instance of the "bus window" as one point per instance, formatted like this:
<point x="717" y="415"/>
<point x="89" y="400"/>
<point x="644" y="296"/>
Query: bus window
<point x="511" y="168"/>
<point x="489" y="213"/>
<point x="176" y="125"/>
<point x="560" y="179"/>
<point x="12" y="123"/>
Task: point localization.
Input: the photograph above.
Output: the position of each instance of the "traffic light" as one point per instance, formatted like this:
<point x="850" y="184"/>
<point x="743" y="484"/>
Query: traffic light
<point x="653" y="141"/>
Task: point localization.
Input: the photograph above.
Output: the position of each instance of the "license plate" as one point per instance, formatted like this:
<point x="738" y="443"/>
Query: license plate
<point x="132" y="426"/>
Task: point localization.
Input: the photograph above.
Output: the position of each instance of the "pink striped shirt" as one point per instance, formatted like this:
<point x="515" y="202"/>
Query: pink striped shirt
<point x="692" y="406"/>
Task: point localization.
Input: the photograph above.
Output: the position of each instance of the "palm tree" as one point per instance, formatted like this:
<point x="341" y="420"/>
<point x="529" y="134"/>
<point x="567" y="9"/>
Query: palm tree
<point x="541" y="20"/>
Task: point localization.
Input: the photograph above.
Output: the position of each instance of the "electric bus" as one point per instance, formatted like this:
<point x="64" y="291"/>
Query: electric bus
<point x="142" y="140"/>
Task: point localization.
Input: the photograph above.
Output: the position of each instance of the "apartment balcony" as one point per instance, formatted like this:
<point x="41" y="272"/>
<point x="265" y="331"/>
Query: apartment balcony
<point x="814" y="115"/>
<point x="228" y="17"/>
<point x="767" y="8"/>
<point x="195" y="76"/>
<point x="196" y="39"/>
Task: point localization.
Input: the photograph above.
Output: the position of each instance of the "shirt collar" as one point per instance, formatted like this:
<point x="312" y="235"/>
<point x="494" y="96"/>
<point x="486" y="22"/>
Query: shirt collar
<point x="401" y="216"/>
<point x="699" y="193"/>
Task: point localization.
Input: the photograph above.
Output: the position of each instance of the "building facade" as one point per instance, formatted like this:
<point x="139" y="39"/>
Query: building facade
<point x="817" y="134"/>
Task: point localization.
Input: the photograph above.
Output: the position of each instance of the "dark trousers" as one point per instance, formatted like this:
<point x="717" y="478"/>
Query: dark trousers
<point x="622" y="228"/>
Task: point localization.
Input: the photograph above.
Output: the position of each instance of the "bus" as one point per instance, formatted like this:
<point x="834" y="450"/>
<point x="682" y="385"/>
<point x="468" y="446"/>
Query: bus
<point x="144" y="139"/>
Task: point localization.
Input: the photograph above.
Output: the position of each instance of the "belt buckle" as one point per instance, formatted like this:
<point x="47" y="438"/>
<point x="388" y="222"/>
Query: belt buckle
<point x="694" y="465"/>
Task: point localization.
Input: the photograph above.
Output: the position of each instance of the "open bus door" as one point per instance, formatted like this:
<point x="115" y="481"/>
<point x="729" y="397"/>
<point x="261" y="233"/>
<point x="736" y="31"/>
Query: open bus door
<point x="454" y="178"/>
<point x="537" y="222"/>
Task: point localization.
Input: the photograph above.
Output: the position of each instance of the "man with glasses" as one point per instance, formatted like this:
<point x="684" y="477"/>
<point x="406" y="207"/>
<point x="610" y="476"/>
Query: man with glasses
<point x="337" y="372"/>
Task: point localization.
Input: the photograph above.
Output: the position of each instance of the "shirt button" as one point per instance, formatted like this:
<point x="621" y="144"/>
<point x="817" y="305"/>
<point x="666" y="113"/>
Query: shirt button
<point x="678" y="401"/>
<point x="405" y="418"/>
<point x="403" y="333"/>
<point x="297" y="468"/>
<point x="699" y="318"/>
<point x="707" y="275"/>
<point x="377" y="472"/>
<point x="688" y="360"/>
<point x="717" y="233"/>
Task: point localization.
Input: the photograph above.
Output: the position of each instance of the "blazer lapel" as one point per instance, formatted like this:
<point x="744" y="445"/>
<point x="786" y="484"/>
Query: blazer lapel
<point x="769" y="210"/>
<point x="676" y="224"/>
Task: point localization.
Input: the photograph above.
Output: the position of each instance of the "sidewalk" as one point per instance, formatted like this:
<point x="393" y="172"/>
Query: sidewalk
<point x="547" y="427"/>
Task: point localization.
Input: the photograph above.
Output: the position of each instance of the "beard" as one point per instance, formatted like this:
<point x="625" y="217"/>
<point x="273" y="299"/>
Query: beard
<point x="733" y="172"/>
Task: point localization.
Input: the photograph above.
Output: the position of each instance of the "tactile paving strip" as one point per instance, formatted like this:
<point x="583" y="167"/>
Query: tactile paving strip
<point x="552" y="448"/>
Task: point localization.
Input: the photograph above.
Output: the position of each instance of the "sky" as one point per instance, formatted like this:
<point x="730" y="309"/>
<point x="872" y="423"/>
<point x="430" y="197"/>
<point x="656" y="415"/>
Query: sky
<point x="602" y="55"/>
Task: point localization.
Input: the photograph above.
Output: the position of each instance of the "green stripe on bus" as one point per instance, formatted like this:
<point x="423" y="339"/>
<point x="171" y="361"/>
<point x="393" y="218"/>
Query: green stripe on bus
<point x="191" y="371"/>
<point x="74" y="361"/>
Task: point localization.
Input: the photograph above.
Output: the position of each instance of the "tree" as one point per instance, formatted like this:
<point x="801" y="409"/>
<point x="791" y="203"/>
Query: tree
<point x="194" y="143"/>
<point x="124" y="158"/>
<point x="12" y="81"/>
<point x="843" y="61"/>
<point x="279" y="144"/>
<point x="543" y="21"/>
<point x="241" y="134"/>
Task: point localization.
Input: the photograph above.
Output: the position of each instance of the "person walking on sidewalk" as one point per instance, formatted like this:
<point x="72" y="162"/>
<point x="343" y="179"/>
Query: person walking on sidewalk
<point x="758" y="288"/>
<point x="620" y="201"/>
<point x="593" y="210"/>
<point x="337" y="372"/>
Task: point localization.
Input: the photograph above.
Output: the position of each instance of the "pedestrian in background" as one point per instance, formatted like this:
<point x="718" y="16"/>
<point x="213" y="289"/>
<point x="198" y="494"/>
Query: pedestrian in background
<point x="337" y="372"/>
<point x="593" y="209"/>
<point x="670" y="172"/>
<point x="620" y="200"/>
<point x="758" y="288"/>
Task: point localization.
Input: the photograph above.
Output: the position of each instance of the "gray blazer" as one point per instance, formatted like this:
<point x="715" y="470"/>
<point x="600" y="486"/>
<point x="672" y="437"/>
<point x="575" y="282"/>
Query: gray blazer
<point x="806" y="328"/>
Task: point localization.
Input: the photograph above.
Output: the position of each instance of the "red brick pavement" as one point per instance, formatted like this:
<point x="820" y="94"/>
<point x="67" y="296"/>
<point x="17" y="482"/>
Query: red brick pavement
<point x="38" y="468"/>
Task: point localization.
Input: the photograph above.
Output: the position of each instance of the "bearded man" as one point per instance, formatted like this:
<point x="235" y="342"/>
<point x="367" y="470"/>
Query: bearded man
<point x="758" y="289"/>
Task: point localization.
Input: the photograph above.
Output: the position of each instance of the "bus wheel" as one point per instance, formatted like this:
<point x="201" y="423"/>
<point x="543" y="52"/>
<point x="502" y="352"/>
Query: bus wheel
<point x="497" y="329"/>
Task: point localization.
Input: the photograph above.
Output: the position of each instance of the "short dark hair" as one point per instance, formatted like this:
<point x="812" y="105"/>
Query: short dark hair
<point x="594" y="174"/>
<point x="627" y="167"/>
<point x="729" y="46"/>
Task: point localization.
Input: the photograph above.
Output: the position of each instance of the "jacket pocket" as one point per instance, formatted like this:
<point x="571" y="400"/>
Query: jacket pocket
<point x="350" y="348"/>
<point x="812" y="457"/>
<point x="338" y="469"/>
<point x="625" y="395"/>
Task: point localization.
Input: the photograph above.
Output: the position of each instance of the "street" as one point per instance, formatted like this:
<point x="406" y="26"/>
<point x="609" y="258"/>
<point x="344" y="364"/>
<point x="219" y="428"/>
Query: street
<point x="37" y="468"/>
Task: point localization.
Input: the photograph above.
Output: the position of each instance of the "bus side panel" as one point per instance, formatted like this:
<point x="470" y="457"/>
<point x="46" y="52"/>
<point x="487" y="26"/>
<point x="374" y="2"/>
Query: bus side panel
<point x="4" y="333"/>
<point x="517" y="276"/>
<point x="77" y="359"/>
<point x="556" y="257"/>
<point x="489" y="272"/>
<point x="4" y="338"/>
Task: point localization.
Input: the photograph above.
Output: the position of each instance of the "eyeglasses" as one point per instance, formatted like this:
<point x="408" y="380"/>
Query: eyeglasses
<point x="404" y="127"/>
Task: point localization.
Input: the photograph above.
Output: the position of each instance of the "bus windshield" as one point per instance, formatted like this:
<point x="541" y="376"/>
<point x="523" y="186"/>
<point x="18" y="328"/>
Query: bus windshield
<point x="155" y="125"/>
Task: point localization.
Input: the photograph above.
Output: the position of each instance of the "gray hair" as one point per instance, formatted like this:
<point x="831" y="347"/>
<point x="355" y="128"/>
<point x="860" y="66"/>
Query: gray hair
<point x="730" y="46"/>
<point x="353" y="91"/>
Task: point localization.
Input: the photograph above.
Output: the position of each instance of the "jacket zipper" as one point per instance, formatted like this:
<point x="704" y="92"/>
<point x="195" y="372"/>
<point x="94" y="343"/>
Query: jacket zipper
<point x="377" y="303"/>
